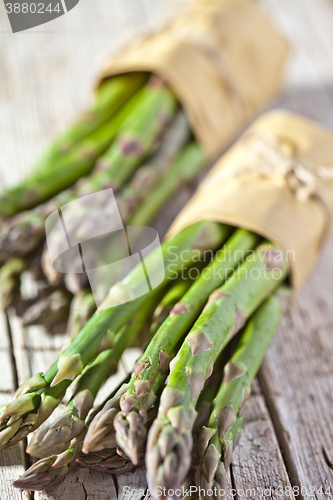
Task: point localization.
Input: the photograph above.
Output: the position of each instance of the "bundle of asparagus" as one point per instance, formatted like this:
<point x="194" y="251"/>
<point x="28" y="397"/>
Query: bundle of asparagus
<point x="168" y="455"/>
<point x="147" y="128"/>
<point x="37" y="398"/>
<point x="74" y="154"/>
<point x="132" y="134"/>
<point x="154" y="415"/>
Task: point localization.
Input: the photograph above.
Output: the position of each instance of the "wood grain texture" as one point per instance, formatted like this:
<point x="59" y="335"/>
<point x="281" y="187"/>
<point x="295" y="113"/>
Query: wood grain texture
<point x="84" y="484"/>
<point x="257" y="468"/>
<point x="297" y="379"/>
<point x="11" y="460"/>
<point x="297" y="375"/>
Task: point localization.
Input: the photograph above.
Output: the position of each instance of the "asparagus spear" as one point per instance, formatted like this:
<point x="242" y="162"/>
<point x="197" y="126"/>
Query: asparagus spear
<point x="138" y="191"/>
<point x="48" y="471"/>
<point x="143" y="132"/>
<point x="148" y="377"/>
<point x="187" y="165"/>
<point x="51" y="469"/>
<point x="38" y="397"/>
<point x="101" y="433"/>
<point x="56" y="437"/>
<point x="62" y="172"/>
<point x="111" y="95"/>
<point x="24" y="232"/>
<point x="204" y="405"/>
<point x="217" y="441"/>
<point x="189" y="161"/>
<point x="82" y="308"/>
<point x="158" y="167"/>
<point x="169" y="444"/>
<point x="137" y="138"/>
<point x="204" y="408"/>
<point x="168" y="302"/>
<point x="10" y="280"/>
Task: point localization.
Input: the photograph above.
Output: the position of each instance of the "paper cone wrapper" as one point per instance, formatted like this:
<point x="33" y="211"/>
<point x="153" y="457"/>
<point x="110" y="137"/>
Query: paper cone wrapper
<point x="234" y="193"/>
<point x="222" y="58"/>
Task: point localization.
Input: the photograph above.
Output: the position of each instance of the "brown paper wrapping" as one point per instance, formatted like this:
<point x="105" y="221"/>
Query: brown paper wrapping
<point x="222" y="58"/>
<point x="267" y="205"/>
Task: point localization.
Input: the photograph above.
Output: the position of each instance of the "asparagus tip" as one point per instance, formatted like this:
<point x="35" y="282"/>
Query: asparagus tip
<point x="131" y="433"/>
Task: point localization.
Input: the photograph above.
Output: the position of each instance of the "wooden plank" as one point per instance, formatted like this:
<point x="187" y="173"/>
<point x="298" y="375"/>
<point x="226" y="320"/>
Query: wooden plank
<point x="297" y="375"/>
<point x="257" y="468"/>
<point x="11" y="460"/>
<point x="84" y="484"/>
<point x="297" y="380"/>
<point x="308" y="88"/>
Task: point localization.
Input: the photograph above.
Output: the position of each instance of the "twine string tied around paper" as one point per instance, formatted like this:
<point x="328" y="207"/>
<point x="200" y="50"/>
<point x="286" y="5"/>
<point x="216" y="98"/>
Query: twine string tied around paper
<point x="268" y="159"/>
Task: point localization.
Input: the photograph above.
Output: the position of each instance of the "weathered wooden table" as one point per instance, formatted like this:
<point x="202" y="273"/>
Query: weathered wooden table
<point x="46" y="78"/>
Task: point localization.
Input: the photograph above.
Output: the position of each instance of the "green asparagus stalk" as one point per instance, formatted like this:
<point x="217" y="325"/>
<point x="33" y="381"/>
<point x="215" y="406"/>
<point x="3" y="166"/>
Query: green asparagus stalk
<point x="82" y="308"/>
<point x="137" y="138"/>
<point x="24" y="232"/>
<point x="51" y="311"/>
<point x="110" y="97"/>
<point x="38" y="397"/>
<point x="189" y="161"/>
<point x="218" y="439"/>
<point x="21" y="234"/>
<point x="112" y="460"/>
<point x="204" y="405"/>
<point x="190" y="490"/>
<point x="148" y="377"/>
<point x="114" y="173"/>
<point x="101" y="433"/>
<point x="169" y="446"/>
<point x="154" y="170"/>
<point x="206" y="399"/>
<point x="49" y="471"/>
<point x="63" y="172"/>
<point x="56" y="437"/>
<point x="204" y="408"/>
<point x="10" y="280"/>
<point x="187" y="165"/>
<point x="168" y="302"/>
<point x="137" y="192"/>
<point x="102" y="425"/>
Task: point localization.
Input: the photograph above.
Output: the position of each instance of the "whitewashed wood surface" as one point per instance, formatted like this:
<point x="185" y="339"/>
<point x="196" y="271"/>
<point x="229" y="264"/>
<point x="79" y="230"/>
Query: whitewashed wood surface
<point x="46" y="78"/>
